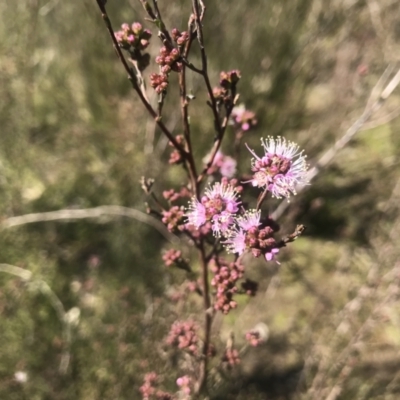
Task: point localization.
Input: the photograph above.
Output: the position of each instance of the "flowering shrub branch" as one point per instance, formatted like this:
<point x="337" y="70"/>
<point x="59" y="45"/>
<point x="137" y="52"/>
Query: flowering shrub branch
<point x="214" y="218"/>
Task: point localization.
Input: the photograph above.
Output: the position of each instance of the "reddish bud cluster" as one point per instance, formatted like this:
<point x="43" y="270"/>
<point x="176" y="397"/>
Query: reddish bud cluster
<point x="176" y="156"/>
<point x="147" y="388"/>
<point x="197" y="233"/>
<point x="220" y="94"/>
<point x="228" y="80"/>
<point x="231" y="356"/>
<point x="159" y="82"/>
<point x="172" y="256"/>
<point x="133" y="37"/>
<point x="171" y="195"/>
<point x="225" y="93"/>
<point x="150" y="392"/>
<point x="184" y="383"/>
<point x="254" y="338"/>
<point x="193" y="286"/>
<point x="179" y="37"/>
<point x="173" y="217"/>
<point x="261" y="242"/>
<point x="225" y="278"/>
<point x="168" y="60"/>
<point x="183" y="336"/>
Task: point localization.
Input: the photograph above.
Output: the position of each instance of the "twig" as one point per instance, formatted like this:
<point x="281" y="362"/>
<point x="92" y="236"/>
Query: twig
<point x="204" y="72"/>
<point x="133" y="80"/>
<point x="185" y="112"/>
<point x="95" y="212"/>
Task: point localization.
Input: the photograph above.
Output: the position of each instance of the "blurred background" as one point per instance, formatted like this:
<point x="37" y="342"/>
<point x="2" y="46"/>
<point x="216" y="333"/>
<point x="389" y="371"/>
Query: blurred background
<point x="74" y="136"/>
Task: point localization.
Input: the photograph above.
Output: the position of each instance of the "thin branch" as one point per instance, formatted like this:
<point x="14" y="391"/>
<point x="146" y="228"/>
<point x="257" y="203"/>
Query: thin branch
<point x="383" y="120"/>
<point x="133" y="79"/>
<point x="218" y="142"/>
<point x="96" y="212"/>
<point x="204" y="72"/>
<point x="185" y="119"/>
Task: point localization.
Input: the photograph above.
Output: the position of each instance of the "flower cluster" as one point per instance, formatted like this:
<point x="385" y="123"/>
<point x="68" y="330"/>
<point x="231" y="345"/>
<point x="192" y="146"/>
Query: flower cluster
<point x="198" y="232"/>
<point x="281" y="169"/>
<point x="243" y="119"/>
<point x="259" y="334"/>
<point x="174" y="257"/>
<point x="176" y="156"/>
<point x="169" y="59"/>
<point x="250" y="234"/>
<point x="183" y="336"/>
<point x="180" y="38"/>
<point x="229" y="80"/>
<point x="184" y="383"/>
<point x="222" y="164"/>
<point x="150" y="392"/>
<point x="133" y="37"/>
<point x="231" y="356"/>
<point x="147" y="389"/>
<point x="224" y="281"/>
<point x="173" y="217"/>
<point x="224" y="94"/>
<point x="171" y="257"/>
<point x="159" y="82"/>
<point x="171" y="195"/>
<point x="218" y="205"/>
<point x="254" y="338"/>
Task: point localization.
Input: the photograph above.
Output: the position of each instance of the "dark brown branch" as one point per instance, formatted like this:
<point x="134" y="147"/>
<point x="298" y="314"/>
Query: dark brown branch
<point x="133" y="79"/>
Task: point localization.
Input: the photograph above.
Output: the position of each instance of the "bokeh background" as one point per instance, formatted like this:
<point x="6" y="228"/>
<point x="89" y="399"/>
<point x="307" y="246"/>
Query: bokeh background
<point x="74" y="136"/>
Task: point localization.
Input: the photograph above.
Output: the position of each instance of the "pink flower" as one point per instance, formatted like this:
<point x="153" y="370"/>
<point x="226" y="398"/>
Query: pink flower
<point x="259" y="334"/>
<point x="236" y="240"/>
<point x="184" y="383"/>
<point x="270" y="255"/>
<point x="223" y="164"/>
<point x="251" y="234"/>
<point x="243" y="119"/>
<point x="218" y="205"/>
<point x="281" y="169"/>
<point x="228" y="167"/>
